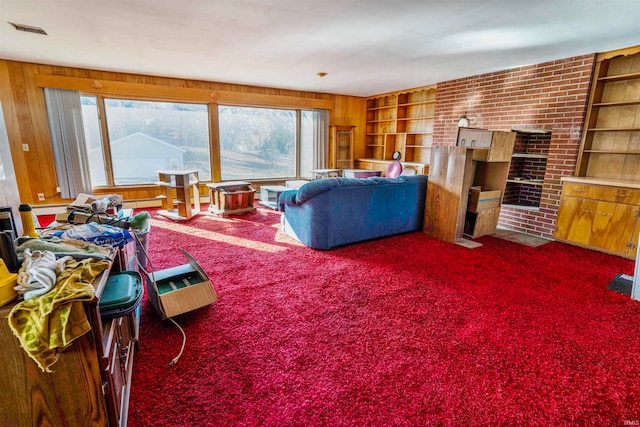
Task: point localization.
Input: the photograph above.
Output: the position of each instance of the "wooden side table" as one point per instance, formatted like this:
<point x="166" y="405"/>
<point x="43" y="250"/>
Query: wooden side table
<point x="178" y="186"/>
<point x="231" y="197"/>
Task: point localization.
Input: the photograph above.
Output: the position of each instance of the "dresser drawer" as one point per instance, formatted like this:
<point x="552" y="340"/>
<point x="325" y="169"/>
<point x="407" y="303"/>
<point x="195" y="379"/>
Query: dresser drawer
<point x="598" y="192"/>
<point x="363" y="165"/>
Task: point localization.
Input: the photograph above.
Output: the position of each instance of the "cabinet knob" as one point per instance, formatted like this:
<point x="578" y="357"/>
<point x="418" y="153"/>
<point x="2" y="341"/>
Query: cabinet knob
<point x="586" y="211"/>
<point x="622" y="195"/>
<point x="580" y="190"/>
<point x="473" y="142"/>
<point x="604" y="213"/>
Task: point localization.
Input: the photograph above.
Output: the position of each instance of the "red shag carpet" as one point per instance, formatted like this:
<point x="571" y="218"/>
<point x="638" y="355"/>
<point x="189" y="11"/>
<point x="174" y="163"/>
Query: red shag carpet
<point x="400" y="331"/>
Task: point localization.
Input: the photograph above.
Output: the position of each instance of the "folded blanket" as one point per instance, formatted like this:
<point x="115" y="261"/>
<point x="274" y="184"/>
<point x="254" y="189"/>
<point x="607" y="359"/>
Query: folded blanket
<point x="47" y="324"/>
<point x="61" y="247"/>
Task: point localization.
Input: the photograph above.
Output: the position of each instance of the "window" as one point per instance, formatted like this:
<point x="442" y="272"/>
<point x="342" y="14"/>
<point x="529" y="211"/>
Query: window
<point x="307" y="136"/>
<point x="145" y="137"/>
<point x="257" y="143"/>
<point x="91" y="124"/>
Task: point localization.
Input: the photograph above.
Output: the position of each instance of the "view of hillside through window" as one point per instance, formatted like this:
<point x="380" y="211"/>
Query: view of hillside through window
<point x="257" y="143"/>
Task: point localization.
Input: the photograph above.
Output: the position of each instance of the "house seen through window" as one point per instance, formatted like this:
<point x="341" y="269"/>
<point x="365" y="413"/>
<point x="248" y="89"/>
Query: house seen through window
<point x="145" y="137"/>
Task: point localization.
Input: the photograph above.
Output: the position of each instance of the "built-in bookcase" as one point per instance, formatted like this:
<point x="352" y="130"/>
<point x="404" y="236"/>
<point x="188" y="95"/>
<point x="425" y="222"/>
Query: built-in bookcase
<point x="401" y="122"/>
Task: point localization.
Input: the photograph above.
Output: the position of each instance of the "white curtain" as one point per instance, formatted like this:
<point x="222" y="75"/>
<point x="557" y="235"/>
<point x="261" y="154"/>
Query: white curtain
<point x="320" y="138"/>
<point x="69" y="147"/>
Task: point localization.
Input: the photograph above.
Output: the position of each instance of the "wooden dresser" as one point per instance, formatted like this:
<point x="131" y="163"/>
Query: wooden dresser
<point x="90" y="383"/>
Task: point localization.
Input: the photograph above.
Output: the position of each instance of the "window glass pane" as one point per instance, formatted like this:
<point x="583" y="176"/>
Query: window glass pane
<point x="93" y="140"/>
<point x="147" y="136"/>
<point x="257" y="143"/>
<point x="306" y="143"/>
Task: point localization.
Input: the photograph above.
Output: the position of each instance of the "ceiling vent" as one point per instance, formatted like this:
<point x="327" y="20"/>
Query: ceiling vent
<point x="28" y="28"/>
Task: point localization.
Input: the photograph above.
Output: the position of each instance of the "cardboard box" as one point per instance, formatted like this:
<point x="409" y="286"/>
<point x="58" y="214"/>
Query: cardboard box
<point x="481" y="198"/>
<point x="180" y="289"/>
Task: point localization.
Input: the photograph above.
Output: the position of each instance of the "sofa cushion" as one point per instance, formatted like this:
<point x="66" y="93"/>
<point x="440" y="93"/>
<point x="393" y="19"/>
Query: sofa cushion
<point x="314" y="188"/>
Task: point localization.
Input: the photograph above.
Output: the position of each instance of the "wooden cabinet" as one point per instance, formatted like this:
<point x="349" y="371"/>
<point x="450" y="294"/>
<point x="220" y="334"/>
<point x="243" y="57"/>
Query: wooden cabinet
<point x="599" y="206"/>
<point x="120" y="338"/>
<point x="480" y="158"/>
<point x="90" y="382"/>
<point x="341" y="147"/>
<point x="401" y="122"/>
<point x="599" y="215"/>
<point x="382" y="165"/>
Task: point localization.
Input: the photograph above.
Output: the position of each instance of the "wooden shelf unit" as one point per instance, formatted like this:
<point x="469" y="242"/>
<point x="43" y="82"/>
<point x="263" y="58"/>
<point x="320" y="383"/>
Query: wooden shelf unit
<point x="403" y="122"/>
<point x="180" y="186"/>
<point x="610" y="147"/>
<point x="607" y="162"/>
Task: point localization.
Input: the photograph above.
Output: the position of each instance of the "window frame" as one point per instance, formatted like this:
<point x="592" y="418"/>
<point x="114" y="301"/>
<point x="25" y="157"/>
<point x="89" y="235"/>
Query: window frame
<point x="214" y="131"/>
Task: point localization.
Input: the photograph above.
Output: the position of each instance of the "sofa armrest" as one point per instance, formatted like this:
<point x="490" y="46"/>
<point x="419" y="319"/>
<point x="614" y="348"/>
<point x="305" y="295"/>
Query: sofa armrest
<point x="287" y="198"/>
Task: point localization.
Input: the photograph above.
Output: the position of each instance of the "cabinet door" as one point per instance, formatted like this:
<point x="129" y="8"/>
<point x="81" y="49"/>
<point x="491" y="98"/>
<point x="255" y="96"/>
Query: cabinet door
<point x="633" y="240"/>
<point x="341" y="146"/>
<point x="475" y="138"/>
<point x="612" y="225"/>
<point x="575" y="218"/>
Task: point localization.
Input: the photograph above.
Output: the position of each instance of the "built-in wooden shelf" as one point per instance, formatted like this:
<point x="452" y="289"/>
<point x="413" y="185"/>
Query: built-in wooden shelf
<point x="526" y="182"/>
<point x="531" y="156"/>
<point x="619" y="77"/>
<point x="417" y="118"/>
<point x="616" y="104"/>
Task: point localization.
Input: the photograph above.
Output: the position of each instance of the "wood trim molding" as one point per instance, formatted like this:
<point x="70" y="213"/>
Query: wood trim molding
<point x="612" y="54"/>
<point x="173" y="93"/>
<point x="398" y="92"/>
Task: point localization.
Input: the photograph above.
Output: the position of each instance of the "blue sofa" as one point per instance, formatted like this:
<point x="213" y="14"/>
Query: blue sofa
<point x="330" y="212"/>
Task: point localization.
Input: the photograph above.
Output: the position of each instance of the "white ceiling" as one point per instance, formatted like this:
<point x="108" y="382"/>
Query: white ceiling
<point x="367" y="47"/>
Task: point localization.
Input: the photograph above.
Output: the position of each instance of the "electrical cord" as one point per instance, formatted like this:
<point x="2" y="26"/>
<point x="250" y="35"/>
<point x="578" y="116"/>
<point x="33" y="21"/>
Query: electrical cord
<point x="184" y="342"/>
<point x="150" y="275"/>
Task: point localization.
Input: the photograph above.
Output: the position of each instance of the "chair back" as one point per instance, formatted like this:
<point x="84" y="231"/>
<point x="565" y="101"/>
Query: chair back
<point x="394" y="170"/>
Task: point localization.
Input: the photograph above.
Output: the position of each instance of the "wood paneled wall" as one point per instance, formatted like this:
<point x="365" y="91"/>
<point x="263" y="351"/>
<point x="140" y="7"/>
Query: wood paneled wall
<point x="25" y="114"/>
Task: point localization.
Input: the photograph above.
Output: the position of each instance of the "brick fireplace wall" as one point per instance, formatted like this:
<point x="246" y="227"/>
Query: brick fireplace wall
<point x="551" y="96"/>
